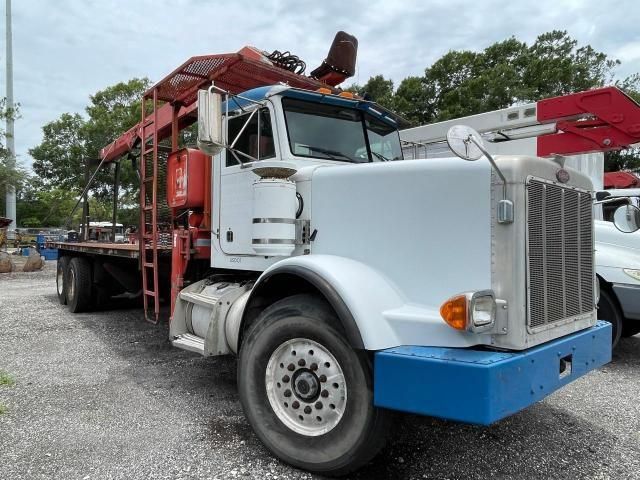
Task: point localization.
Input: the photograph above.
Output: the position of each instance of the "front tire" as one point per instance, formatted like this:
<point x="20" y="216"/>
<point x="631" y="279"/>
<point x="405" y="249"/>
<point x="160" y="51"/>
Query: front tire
<point x="306" y="392"/>
<point x="630" y="328"/>
<point x="608" y="310"/>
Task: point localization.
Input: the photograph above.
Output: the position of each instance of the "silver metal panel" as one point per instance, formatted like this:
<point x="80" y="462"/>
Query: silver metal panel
<point x="560" y="250"/>
<point x="186" y="341"/>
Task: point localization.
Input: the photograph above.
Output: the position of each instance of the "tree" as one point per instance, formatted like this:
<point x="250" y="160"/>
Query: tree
<point x="40" y="207"/>
<point x="508" y="72"/>
<point x="378" y="89"/>
<point x="59" y="160"/>
<point x="112" y="111"/>
<point x="73" y="140"/>
<point x="555" y="66"/>
<point x="413" y="100"/>
<point x="628" y="159"/>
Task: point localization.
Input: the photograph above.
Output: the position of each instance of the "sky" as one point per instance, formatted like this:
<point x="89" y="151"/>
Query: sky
<point x="64" y="51"/>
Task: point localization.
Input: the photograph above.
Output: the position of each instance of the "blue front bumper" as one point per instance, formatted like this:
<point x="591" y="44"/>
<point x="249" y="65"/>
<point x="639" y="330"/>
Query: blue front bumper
<point x="479" y="386"/>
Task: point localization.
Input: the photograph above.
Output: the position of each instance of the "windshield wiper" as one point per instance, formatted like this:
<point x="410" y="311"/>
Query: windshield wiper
<point x="381" y="157"/>
<point x="330" y="153"/>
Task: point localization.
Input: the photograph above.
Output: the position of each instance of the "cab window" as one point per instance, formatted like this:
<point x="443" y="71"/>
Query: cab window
<point x="384" y="140"/>
<point x="255" y="141"/>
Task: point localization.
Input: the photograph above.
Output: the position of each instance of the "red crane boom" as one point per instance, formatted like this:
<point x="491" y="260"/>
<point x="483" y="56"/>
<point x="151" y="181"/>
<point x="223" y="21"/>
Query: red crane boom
<point x="235" y="72"/>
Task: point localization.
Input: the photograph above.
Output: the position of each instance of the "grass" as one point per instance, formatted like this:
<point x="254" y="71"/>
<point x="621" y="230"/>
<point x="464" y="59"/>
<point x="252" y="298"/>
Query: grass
<point x="6" y="379"/>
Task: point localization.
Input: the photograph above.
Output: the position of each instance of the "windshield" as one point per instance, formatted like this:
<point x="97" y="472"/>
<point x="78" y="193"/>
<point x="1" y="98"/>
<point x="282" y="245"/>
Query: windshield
<point x="384" y="140"/>
<point x="338" y="133"/>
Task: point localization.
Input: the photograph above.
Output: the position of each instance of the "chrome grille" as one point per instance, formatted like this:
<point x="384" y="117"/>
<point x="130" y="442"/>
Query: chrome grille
<point x="560" y="253"/>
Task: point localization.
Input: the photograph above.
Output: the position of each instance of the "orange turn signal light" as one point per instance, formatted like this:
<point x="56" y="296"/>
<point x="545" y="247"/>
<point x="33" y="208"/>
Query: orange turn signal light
<point x="454" y="312"/>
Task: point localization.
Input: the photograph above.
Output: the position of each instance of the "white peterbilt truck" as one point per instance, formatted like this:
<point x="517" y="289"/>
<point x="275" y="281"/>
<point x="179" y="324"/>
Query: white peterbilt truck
<point x="347" y="281"/>
<point x="518" y="130"/>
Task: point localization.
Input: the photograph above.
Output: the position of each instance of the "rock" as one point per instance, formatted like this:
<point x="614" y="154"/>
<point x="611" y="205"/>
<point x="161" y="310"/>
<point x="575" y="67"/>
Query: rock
<point x="34" y="262"/>
<point x="5" y="263"/>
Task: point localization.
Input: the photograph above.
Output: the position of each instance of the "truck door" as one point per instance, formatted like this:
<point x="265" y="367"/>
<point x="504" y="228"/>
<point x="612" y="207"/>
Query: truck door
<point x="236" y="180"/>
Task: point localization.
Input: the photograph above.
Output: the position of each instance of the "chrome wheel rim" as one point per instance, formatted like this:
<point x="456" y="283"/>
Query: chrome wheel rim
<point x="71" y="287"/>
<point x="306" y="387"/>
<point x="59" y="281"/>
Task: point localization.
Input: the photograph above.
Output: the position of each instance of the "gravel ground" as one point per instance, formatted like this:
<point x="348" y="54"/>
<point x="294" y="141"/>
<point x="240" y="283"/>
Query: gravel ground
<point x="104" y="395"/>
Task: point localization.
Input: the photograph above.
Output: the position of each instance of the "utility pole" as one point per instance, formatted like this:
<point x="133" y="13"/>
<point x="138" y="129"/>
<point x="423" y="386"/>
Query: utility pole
<point x="11" y="147"/>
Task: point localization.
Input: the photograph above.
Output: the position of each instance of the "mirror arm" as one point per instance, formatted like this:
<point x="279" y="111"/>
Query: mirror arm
<point x="242" y="162"/>
<point x="504" y="208"/>
<point x="493" y="164"/>
<point x="212" y="87"/>
<point x="255" y="102"/>
<point x="614" y="199"/>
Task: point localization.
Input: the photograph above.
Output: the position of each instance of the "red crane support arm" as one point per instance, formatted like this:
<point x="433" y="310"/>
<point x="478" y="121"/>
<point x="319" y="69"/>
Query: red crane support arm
<point x="597" y="120"/>
<point x="125" y="142"/>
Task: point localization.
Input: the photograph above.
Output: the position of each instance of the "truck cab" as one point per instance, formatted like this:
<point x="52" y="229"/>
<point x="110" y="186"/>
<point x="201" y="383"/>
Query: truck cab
<point x="305" y="129"/>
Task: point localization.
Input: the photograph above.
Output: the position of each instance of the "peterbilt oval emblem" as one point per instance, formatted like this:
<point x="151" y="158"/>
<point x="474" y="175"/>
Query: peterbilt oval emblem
<point x="562" y="175"/>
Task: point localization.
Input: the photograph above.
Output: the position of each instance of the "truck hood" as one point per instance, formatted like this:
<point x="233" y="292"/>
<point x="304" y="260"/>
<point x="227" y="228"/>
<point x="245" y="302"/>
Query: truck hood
<point x="607" y="233"/>
<point x="615" y="248"/>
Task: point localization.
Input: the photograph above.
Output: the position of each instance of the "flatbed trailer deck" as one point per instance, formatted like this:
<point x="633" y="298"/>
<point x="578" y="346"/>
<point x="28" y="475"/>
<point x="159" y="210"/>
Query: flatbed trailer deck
<point x="127" y="250"/>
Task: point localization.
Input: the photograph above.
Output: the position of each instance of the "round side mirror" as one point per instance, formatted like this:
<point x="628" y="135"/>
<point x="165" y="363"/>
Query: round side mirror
<point x="626" y="218"/>
<point x="460" y="143"/>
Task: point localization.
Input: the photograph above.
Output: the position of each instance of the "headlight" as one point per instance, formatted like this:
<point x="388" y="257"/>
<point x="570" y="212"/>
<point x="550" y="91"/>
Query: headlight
<point x="633" y="273"/>
<point x="471" y="311"/>
<point x="483" y="310"/>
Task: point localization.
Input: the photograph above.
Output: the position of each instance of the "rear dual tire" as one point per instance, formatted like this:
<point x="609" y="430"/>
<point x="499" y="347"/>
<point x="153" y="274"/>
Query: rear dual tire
<point x="326" y="422"/>
<point x="78" y="285"/>
<point x="61" y="279"/>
